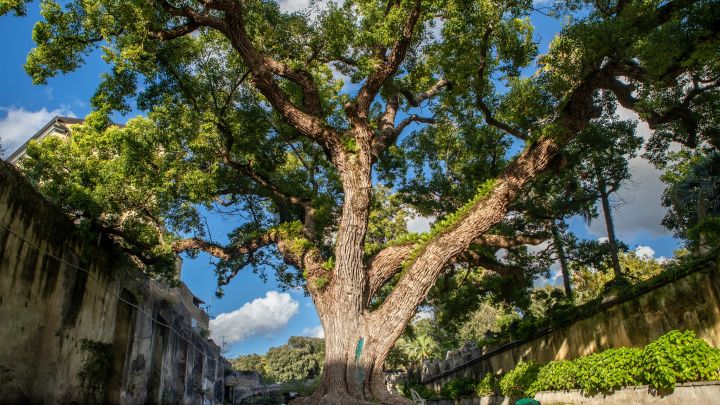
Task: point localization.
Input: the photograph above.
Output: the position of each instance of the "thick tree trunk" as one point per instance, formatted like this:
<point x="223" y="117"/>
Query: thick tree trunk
<point x="354" y="358"/>
<point x="605" y="201"/>
<point x="560" y="250"/>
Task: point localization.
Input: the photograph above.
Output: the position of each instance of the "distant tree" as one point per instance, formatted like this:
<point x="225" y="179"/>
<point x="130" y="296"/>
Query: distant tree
<point x="609" y="147"/>
<point x="693" y="196"/>
<point x="594" y="165"/>
<point x="590" y="281"/>
<point x="250" y="362"/>
<point x="481" y="321"/>
<point x="301" y="358"/>
<point x="421" y="348"/>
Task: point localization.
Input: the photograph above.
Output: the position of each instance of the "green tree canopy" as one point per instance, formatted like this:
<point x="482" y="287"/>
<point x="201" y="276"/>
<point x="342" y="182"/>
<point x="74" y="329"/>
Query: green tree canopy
<point x="301" y="358"/>
<point x="246" y="113"/>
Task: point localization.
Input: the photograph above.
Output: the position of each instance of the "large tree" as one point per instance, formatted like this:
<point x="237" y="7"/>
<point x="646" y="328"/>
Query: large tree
<point x="243" y="110"/>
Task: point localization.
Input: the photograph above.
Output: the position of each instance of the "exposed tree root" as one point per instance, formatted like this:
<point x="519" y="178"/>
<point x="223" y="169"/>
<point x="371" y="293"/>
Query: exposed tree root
<point x="345" y="399"/>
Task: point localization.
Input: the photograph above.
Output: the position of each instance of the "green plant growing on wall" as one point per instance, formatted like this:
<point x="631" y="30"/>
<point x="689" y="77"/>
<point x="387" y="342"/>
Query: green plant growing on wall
<point x="97" y="368"/>
<point x="561" y="375"/>
<point x="604" y="372"/>
<point x="678" y="357"/>
<point x="488" y="385"/>
<point x="517" y="381"/>
<point x="461" y="387"/>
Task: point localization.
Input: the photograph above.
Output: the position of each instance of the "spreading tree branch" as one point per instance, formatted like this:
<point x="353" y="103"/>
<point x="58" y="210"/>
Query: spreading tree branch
<point x="435" y="89"/>
<point x="263" y="68"/>
<point x="505" y="242"/>
<point x="384" y="265"/>
<point x="265" y="182"/>
<point x="225" y="252"/>
<point x="480" y="90"/>
<point x="387" y="68"/>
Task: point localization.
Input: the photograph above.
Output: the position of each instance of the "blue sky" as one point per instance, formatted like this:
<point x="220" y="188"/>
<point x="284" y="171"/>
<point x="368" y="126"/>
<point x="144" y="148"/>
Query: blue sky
<point x="253" y="315"/>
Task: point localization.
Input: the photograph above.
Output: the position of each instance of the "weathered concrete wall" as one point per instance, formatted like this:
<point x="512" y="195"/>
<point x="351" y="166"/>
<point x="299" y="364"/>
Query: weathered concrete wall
<point x="699" y="393"/>
<point x="241" y="385"/>
<point x="48" y="308"/>
<point x="690" y="303"/>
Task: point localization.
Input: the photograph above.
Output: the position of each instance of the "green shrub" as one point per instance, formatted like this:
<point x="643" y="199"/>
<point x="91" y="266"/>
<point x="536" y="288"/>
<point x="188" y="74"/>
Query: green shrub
<point x="555" y="376"/>
<point x="488" y="385"/>
<point x="673" y="358"/>
<point x="608" y="370"/>
<point x="461" y="387"/>
<point x="678" y="357"/>
<point x="518" y="380"/>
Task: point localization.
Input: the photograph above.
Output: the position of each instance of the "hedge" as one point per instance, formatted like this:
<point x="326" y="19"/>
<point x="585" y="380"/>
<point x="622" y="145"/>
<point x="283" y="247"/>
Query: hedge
<point x="673" y="358"/>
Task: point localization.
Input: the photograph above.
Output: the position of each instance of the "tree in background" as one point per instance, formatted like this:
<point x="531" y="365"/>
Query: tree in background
<point x="249" y="362"/>
<point x="595" y="165"/>
<point x="300" y="359"/>
<point x="590" y="281"/>
<point x="607" y="147"/>
<point x="243" y="113"/>
<point x="484" y="322"/>
<point x="693" y="197"/>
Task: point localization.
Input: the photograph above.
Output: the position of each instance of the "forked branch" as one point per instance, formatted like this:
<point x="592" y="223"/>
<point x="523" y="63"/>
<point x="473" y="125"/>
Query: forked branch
<point x="387" y="68"/>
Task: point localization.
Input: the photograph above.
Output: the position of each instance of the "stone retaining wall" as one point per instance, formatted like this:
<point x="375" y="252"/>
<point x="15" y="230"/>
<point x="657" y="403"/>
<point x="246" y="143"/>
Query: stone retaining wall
<point x="50" y="310"/>
<point x="690" y="303"/>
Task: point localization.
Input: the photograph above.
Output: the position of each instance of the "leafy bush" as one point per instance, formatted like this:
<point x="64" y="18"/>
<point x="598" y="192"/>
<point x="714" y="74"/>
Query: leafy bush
<point x="673" y="358"/>
<point x="461" y="387"/>
<point x="518" y="380"/>
<point x="678" y="357"/>
<point x="555" y="376"/>
<point x="608" y="370"/>
<point x="488" y="385"/>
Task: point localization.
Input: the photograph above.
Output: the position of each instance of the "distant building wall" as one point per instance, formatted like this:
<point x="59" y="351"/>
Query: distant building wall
<point x="50" y="312"/>
<point x="690" y="303"/>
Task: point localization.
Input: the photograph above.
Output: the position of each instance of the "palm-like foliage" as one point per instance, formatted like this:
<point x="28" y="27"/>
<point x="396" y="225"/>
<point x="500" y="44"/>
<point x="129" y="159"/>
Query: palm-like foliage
<point x="694" y="195"/>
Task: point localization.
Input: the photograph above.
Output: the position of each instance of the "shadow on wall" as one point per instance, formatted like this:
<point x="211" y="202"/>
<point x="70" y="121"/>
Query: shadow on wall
<point x="61" y="294"/>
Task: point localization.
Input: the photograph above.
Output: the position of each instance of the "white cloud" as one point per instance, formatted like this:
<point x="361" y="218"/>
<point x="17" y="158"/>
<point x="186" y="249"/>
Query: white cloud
<point x="348" y="86"/>
<point x="644" y="252"/>
<point x="290" y="6"/>
<point x="18" y="125"/>
<point x="419" y="224"/>
<point x="639" y="207"/>
<point x="259" y="317"/>
<point x="603" y="239"/>
<point x="535" y="249"/>
<point x="424" y="315"/>
<point x="315" y="331"/>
